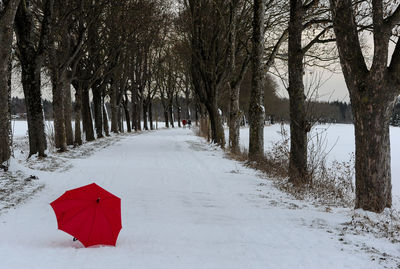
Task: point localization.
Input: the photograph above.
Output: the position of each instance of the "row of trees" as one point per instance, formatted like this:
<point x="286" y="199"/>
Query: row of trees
<point x="122" y="52"/>
<point x="316" y="32"/>
<point x="131" y="51"/>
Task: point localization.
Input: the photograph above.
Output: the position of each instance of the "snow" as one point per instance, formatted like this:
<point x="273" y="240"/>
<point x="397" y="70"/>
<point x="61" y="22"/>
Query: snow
<point x="338" y="142"/>
<point x="185" y="206"/>
<point x="19" y="128"/>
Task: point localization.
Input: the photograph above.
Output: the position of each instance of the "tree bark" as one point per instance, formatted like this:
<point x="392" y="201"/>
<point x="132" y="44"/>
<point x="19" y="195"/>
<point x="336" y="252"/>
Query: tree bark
<point x="298" y="123"/>
<point x="256" y="110"/>
<point x="120" y="120"/>
<point x="98" y="110"/>
<point x="373" y="171"/>
<point x="6" y="37"/>
<point x="234" y="119"/>
<point x="58" y="110"/>
<point x="5" y="120"/>
<point x="134" y="111"/>
<point x="34" y="109"/>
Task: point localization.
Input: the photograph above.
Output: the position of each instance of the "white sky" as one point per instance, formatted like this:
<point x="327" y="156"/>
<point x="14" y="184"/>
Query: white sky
<point x="334" y="88"/>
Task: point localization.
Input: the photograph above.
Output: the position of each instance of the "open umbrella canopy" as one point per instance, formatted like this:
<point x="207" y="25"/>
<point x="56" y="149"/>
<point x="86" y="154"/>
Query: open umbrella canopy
<point x="90" y="214"/>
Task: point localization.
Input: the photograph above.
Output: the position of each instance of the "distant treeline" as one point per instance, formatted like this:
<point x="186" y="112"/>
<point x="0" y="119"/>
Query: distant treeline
<point x="277" y="109"/>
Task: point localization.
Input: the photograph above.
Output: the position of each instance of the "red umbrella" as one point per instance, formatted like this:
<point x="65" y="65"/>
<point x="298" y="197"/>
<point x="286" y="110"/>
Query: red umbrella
<point x="90" y="214"/>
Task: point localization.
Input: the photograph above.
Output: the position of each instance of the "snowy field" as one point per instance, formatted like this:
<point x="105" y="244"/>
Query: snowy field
<point x="184" y="206"/>
<point x="338" y="142"/>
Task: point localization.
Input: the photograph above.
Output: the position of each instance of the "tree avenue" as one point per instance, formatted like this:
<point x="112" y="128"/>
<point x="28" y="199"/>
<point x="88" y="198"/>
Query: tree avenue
<point x="116" y="66"/>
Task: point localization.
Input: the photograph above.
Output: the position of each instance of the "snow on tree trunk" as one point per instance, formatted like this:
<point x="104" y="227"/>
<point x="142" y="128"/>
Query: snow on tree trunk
<point x="77" y="115"/>
<point x="87" y="120"/>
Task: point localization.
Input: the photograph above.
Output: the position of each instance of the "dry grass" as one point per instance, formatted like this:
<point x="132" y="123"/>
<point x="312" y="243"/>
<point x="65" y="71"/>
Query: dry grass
<point x="50" y="136"/>
<point x="330" y="186"/>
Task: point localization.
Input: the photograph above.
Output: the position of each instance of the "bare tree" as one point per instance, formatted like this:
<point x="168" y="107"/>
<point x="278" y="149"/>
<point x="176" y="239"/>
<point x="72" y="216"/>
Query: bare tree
<point x="8" y="9"/>
<point x="257" y="110"/>
<point x="373" y="91"/>
<point x="239" y="58"/>
<point x="33" y="33"/>
<point x="67" y="40"/>
<point x="209" y="43"/>
<point x="305" y="17"/>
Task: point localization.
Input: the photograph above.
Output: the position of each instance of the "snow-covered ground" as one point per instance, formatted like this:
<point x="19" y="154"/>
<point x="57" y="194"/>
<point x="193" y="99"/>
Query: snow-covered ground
<point x="338" y="142"/>
<point x="185" y="206"/>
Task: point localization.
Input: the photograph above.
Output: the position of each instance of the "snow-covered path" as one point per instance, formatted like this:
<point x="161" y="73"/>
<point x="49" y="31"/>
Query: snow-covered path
<point x="183" y="206"/>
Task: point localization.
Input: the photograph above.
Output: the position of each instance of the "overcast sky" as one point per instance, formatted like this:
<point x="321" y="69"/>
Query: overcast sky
<point x="333" y="89"/>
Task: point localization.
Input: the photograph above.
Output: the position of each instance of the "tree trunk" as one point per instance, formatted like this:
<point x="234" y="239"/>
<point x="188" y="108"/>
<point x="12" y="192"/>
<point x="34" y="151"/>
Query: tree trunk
<point x="127" y="117"/>
<point x="179" y="110"/>
<point x="373" y="91"/>
<point x="105" y="119"/>
<point x="6" y="37"/>
<point x="134" y="111"/>
<point x="77" y="115"/>
<point x="114" y="108"/>
<point x="120" y="120"/>
<point x="234" y="120"/>
<point x="145" y="109"/>
<point x="187" y="104"/>
<point x="165" y="110"/>
<point x="139" y="108"/>
<point x="373" y="171"/>
<point x="31" y="55"/>
<point x="10" y="131"/>
<point x="298" y="123"/>
<point x="151" y="115"/>
<point x="34" y="108"/>
<point x="87" y="120"/>
<point x="98" y="110"/>
<point x="256" y="110"/>
<point x="5" y="143"/>
<point x="58" y="110"/>
<point x="217" y="130"/>
<point x="197" y="114"/>
<point x="68" y="112"/>
<point x="171" y="113"/>
<point x="235" y="82"/>
<point x="298" y="139"/>
<point x="166" y="117"/>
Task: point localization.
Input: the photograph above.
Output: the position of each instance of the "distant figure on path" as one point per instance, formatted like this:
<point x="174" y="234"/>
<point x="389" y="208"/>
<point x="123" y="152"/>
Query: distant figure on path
<point x="184" y="123"/>
<point x="189" y="123"/>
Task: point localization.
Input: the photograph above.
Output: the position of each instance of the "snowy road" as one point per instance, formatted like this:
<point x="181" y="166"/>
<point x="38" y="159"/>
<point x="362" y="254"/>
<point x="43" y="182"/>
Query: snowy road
<point x="183" y="206"/>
